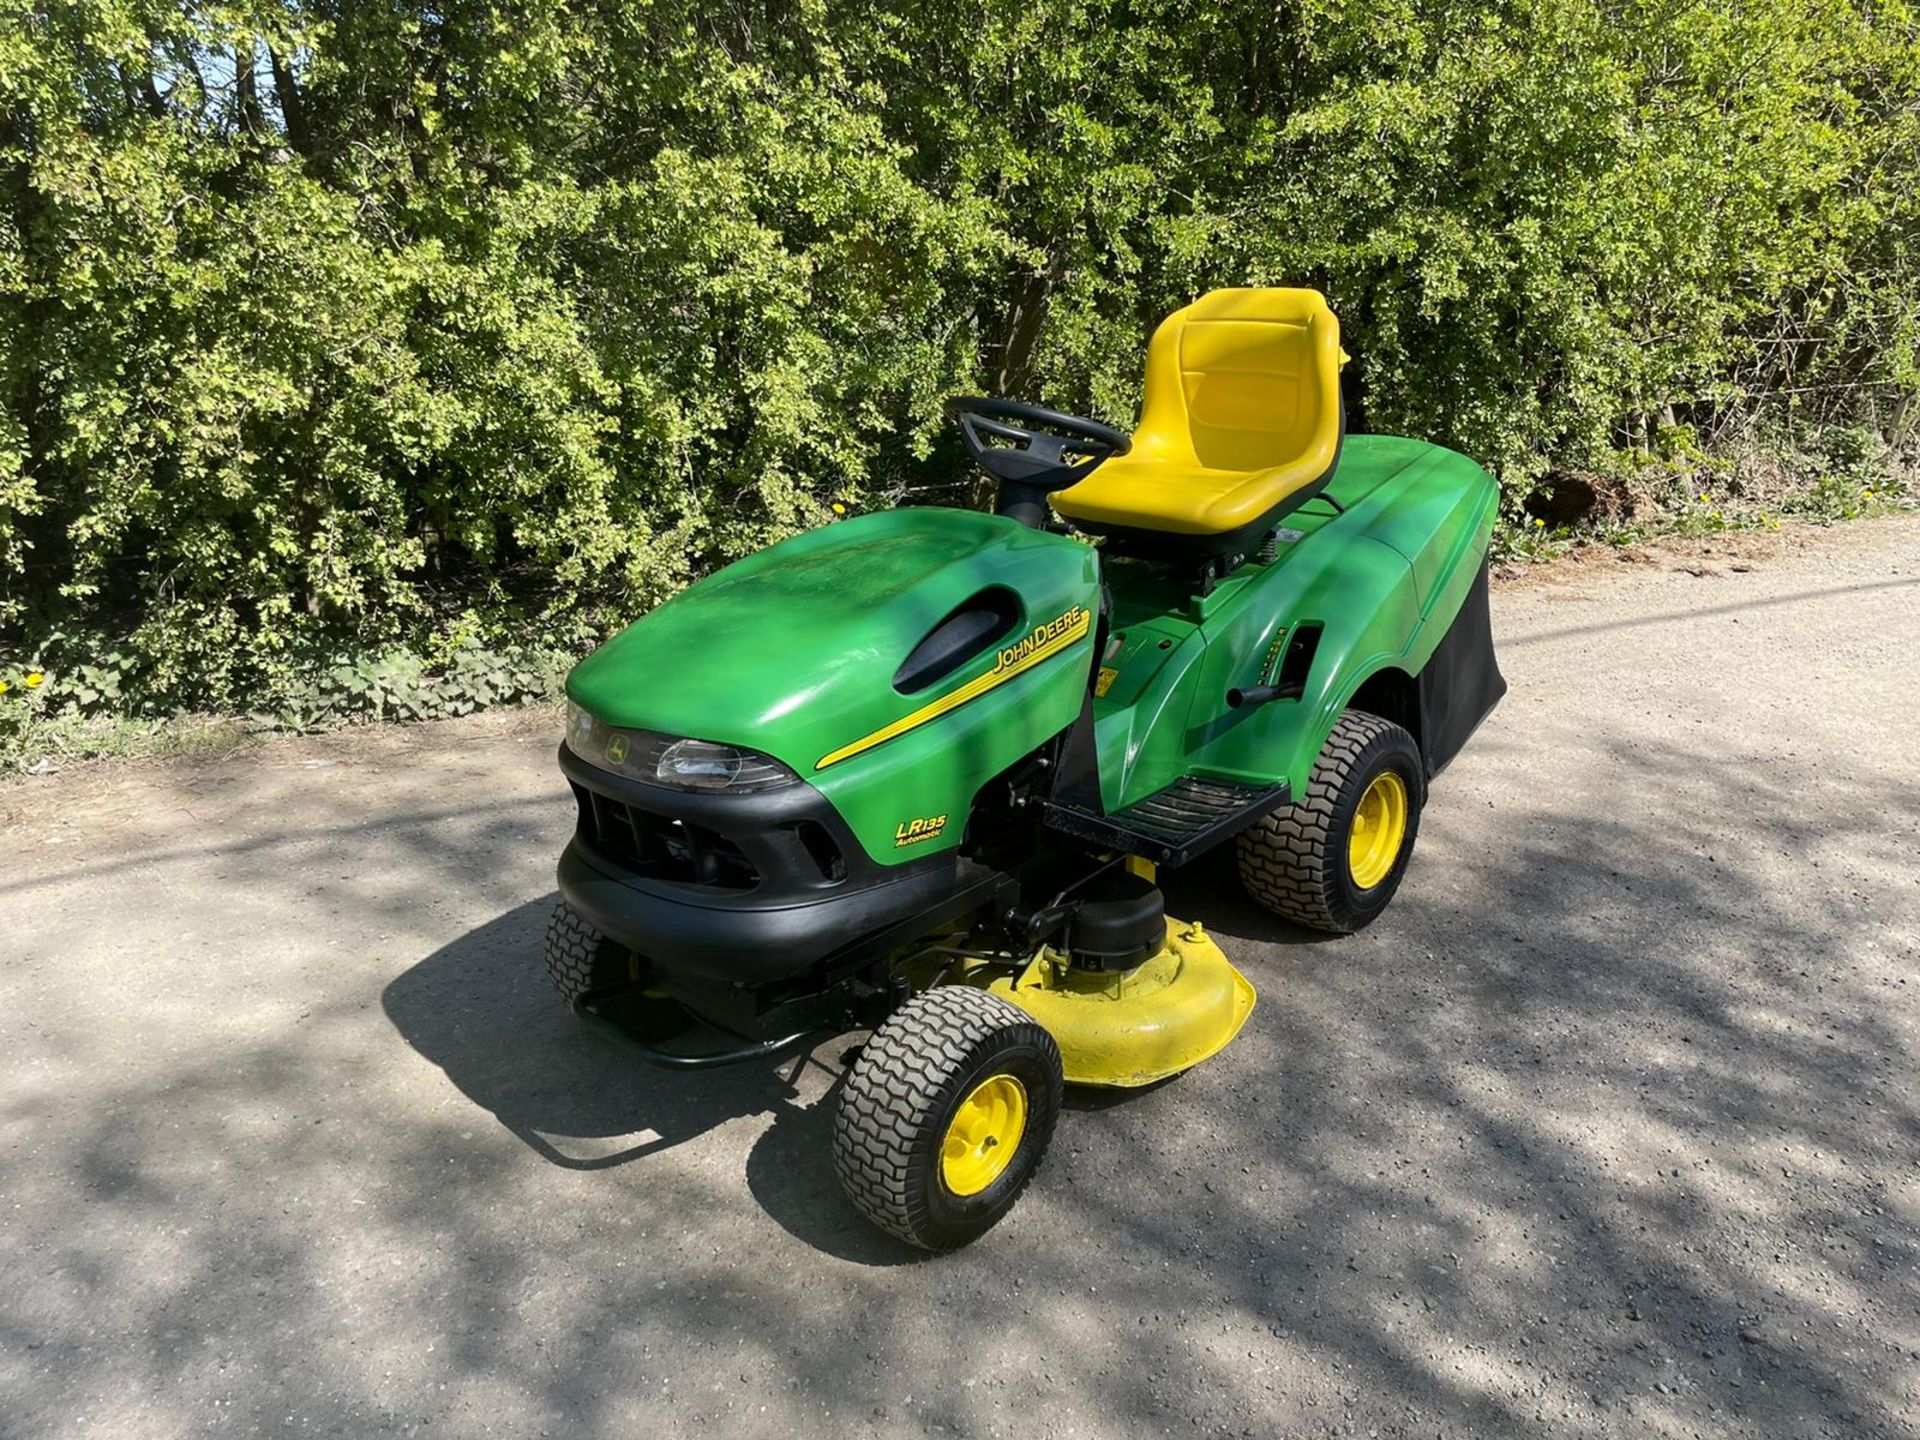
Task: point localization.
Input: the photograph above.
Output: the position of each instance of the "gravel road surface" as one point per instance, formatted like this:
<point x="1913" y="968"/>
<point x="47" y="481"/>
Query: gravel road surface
<point x="1608" y="1128"/>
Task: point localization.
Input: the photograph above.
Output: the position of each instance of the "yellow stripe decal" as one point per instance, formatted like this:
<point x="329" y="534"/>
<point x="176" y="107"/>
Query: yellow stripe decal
<point x="1045" y="642"/>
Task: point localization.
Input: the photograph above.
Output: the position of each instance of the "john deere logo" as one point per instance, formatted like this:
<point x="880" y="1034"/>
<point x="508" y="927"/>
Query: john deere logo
<point x="1046" y="637"/>
<point x="617" y="748"/>
<point x="1042" y="644"/>
<point x="912" y="832"/>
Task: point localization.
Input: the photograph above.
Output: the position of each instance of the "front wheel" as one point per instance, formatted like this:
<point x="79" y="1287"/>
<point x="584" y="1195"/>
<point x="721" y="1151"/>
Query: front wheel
<point x="1333" y="860"/>
<point x="580" y="959"/>
<point x="946" y="1116"/>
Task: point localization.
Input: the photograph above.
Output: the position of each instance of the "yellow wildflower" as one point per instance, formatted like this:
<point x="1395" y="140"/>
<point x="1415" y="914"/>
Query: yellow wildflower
<point x="34" y="679"/>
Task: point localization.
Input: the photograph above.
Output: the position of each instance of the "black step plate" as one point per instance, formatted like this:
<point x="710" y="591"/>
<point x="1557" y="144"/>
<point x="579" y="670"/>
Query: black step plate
<point x="1172" y="826"/>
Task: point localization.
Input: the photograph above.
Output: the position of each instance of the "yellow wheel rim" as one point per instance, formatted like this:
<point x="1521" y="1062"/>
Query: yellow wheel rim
<point x="1379" y="828"/>
<point x="984" y="1135"/>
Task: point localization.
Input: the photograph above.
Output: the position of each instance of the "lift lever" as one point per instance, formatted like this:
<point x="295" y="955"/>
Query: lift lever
<point x="1253" y="695"/>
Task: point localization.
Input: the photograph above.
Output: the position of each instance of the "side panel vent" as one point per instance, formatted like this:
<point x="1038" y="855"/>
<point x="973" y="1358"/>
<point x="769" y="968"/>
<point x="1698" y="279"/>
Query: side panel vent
<point x="978" y="625"/>
<point x="1298" y="660"/>
<point x="822" y="851"/>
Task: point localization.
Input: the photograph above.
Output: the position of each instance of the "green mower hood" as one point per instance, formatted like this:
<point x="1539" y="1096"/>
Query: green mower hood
<point x="897" y="662"/>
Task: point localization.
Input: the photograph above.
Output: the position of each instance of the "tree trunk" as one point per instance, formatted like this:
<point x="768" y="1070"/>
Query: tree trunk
<point x="293" y="105"/>
<point x="1023" y="330"/>
<point x="246" y="86"/>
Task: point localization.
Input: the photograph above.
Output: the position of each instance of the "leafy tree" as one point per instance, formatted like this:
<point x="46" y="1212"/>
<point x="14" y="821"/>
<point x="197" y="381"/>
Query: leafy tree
<point x="357" y="330"/>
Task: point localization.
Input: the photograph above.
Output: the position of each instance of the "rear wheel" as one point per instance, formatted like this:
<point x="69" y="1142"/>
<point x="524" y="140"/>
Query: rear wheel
<point x="1333" y="860"/>
<point x="580" y="958"/>
<point x="946" y="1116"/>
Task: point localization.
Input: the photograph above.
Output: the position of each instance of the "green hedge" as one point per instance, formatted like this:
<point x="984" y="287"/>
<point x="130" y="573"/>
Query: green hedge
<point x="338" y="333"/>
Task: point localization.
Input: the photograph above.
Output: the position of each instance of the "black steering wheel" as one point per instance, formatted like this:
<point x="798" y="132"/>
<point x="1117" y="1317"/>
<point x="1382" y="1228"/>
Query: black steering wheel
<point x="1037" y="449"/>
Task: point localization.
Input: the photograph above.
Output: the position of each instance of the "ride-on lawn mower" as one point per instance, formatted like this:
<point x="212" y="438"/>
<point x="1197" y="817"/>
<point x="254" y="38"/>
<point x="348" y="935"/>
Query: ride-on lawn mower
<point x="913" y="772"/>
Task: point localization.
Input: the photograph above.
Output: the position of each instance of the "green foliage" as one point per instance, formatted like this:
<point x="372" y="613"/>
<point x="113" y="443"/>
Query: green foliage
<point x="1823" y="476"/>
<point x="1848" y="474"/>
<point x="402" y="684"/>
<point x="50" y="708"/>
<point x="335" y="336"/>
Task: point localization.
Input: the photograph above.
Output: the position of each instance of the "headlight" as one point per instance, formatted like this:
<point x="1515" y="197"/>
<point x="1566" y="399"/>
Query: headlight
<point x="579" y="731"/>
<point x="669" y="760"/>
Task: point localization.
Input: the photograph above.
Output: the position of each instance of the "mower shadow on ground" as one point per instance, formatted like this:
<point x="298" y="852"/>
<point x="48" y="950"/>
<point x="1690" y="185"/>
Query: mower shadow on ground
<point x="480" y="1008"/>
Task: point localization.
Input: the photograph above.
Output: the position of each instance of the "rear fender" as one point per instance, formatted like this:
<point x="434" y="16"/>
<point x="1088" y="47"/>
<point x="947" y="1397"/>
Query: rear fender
<point x="1366" y="610"/>
<point x="1416" y="550"/>
<point x="1376" y="588"/>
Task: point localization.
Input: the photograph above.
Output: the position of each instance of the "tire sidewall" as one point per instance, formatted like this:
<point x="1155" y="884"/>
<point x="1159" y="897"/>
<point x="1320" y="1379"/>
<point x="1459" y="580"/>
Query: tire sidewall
<point x="580" y="959"/>
<point x="1026" y="1053"/>
<point x="1395" y="751"/>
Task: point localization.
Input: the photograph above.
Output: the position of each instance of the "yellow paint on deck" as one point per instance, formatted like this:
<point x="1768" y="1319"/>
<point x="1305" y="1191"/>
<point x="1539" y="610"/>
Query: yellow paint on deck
<point x="1133" y="1027"/>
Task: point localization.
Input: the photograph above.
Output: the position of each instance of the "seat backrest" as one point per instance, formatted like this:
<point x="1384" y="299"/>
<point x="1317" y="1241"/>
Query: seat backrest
<point x="1242" y="380"/>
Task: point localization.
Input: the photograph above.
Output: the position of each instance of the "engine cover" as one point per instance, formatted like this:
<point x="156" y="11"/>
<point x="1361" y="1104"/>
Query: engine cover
<point x="896" y="662"/>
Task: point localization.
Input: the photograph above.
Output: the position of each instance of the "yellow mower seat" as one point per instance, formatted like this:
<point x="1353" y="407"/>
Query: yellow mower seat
<point x="1242" y="415"/>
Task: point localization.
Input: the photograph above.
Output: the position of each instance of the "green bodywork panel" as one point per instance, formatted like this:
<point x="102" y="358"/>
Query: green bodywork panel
<point x="793" y="652"/>
<point x="1384" y="579"/>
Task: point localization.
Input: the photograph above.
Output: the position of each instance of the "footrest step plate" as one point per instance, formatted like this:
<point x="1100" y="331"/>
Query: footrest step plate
<point x="1172" y="826"/>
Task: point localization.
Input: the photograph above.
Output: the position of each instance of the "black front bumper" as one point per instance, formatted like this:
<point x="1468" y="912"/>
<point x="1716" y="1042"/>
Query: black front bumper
<point x="813" y="892"/>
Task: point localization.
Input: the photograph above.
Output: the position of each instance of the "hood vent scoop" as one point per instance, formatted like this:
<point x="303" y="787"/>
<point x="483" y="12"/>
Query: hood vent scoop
<point x="979" y="624"/>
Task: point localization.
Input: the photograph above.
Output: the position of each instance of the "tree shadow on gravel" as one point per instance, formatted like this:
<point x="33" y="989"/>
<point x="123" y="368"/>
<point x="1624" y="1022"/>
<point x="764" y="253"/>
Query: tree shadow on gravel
<point x="1599" y="1098"/>
<point x="1615" y="1088"/>
<point x="1511" y="1160"/>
